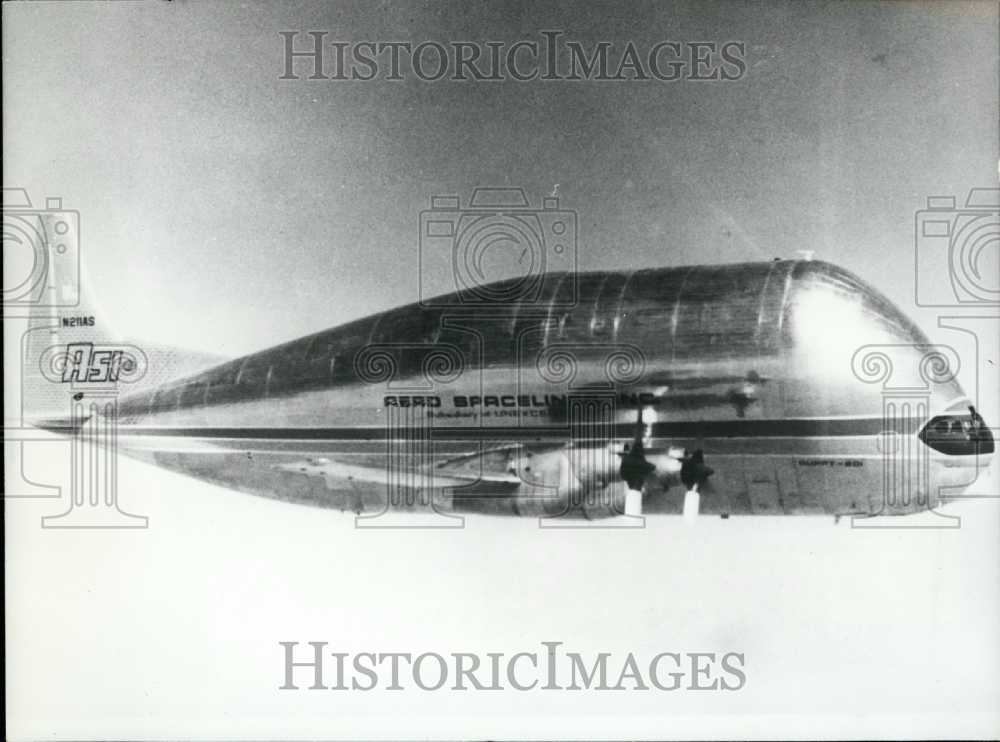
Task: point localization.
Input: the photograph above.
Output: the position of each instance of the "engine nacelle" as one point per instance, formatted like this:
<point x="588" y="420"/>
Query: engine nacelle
<point x="570" y="481"/>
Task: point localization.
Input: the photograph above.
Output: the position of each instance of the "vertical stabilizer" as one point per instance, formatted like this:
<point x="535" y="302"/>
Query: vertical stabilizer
<point x="58" y="344"/>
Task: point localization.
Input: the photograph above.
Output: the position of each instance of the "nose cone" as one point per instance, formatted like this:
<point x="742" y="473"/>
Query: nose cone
<point x="959" y="434"/>
<point x="961" y="448"/>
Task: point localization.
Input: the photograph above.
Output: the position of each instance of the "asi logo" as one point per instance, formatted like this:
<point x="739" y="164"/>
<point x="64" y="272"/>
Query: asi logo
<point x="87" y="363"/>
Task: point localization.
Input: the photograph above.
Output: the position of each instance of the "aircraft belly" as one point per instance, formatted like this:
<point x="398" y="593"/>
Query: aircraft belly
<point x="257" y="474"/>
<point x="752" y="476"/>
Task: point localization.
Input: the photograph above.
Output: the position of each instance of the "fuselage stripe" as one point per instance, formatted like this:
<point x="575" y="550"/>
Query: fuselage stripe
<point x="789" y="428"/>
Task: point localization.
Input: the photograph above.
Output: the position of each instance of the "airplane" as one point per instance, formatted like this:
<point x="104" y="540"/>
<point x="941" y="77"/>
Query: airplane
<point x="734" y="389"/>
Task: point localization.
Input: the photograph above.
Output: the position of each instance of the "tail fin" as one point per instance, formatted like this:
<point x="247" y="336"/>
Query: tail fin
<point x="57" y="342"/>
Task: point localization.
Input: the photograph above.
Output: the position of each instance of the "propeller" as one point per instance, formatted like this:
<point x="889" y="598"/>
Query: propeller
<point x="635" y="468"/>
<point x="694" y="473"/>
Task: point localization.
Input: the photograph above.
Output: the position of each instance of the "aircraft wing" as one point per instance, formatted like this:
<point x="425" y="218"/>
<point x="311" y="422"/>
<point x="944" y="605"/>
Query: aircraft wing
<point x="458" y="472"/>
<point x="560" y="469"/>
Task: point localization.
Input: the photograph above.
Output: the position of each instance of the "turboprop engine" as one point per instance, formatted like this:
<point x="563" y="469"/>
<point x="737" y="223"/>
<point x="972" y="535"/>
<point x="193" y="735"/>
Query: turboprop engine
<point x="603" y="481"/>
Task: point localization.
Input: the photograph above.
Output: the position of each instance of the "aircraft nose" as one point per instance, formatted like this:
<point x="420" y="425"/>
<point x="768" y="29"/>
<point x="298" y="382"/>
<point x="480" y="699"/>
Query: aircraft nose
<point x="959" y="434"/>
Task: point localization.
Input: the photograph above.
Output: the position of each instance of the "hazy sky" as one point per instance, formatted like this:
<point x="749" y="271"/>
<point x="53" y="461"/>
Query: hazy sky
<point x="215" y="196"/>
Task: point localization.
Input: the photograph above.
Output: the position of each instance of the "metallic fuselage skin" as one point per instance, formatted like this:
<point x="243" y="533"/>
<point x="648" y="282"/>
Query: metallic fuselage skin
<point x="775" y="370"/>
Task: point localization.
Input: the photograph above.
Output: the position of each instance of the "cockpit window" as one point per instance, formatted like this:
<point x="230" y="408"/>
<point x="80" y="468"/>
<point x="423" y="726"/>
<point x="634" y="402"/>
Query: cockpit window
<point x="958" y="434"/>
